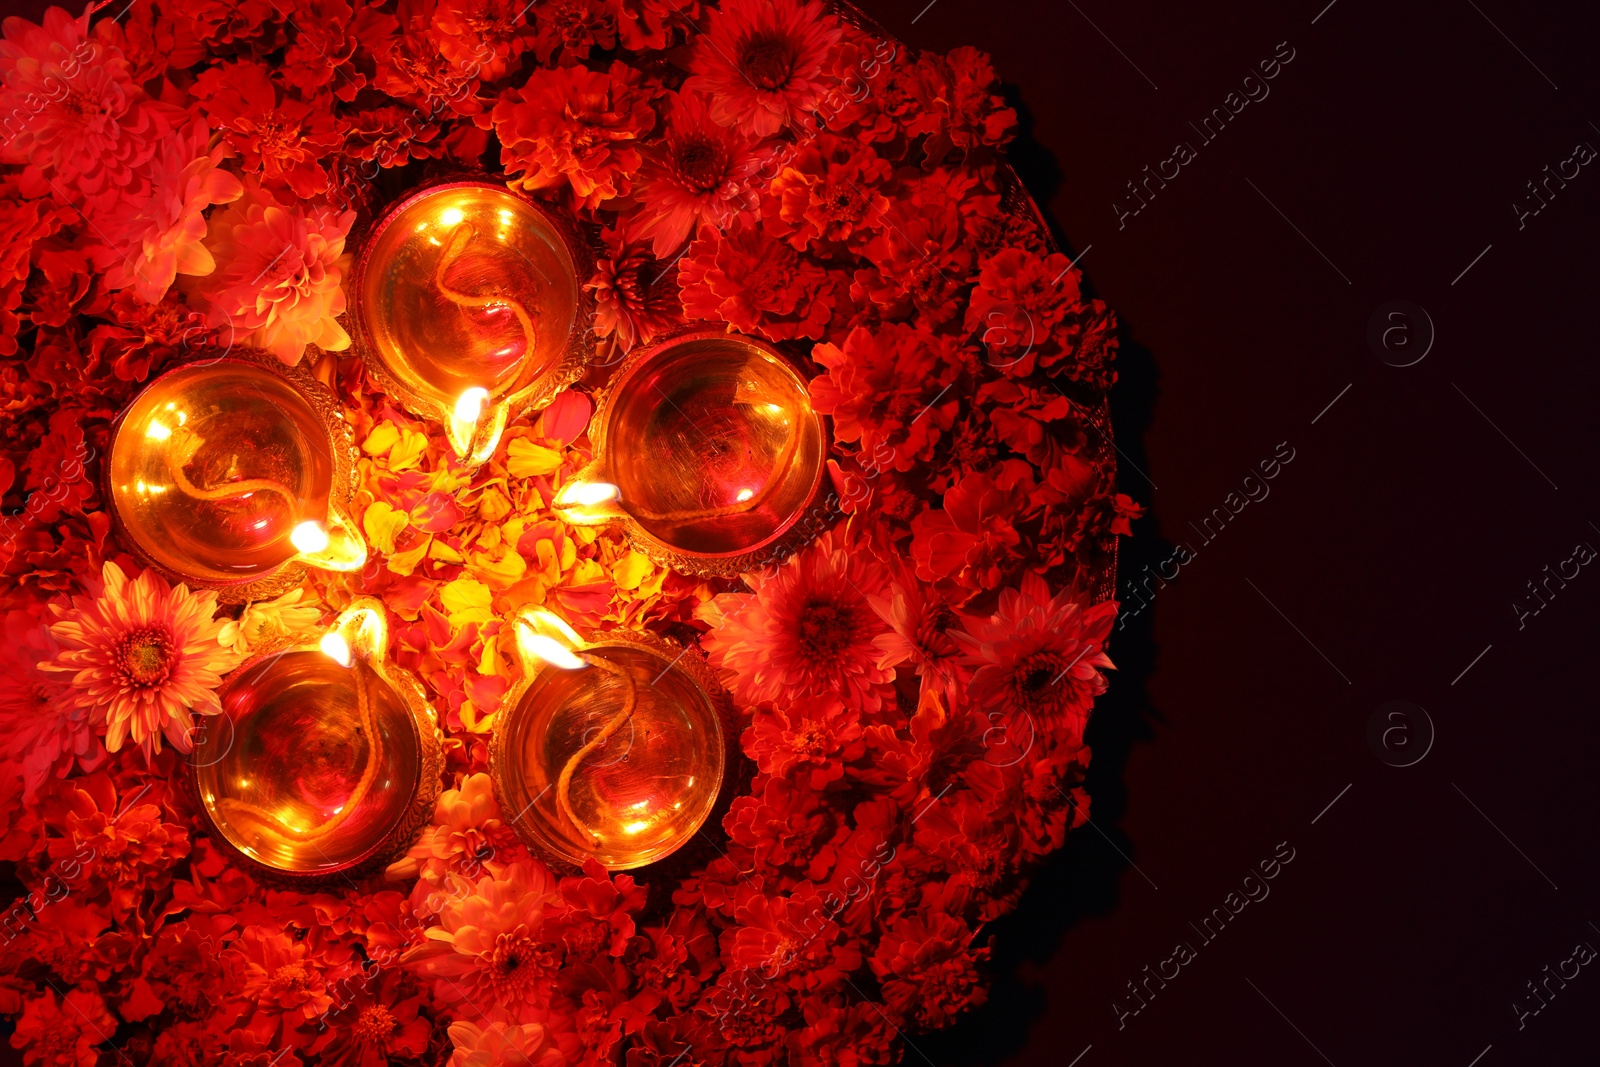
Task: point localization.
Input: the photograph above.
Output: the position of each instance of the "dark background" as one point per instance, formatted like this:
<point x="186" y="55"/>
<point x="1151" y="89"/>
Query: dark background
<point x="1385" y="559"/>
<point x="1393" y="545"/>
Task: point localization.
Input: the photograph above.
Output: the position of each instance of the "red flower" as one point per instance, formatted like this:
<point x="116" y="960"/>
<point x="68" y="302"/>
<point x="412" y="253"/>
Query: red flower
<point x="779" y="824"/>
<point x="954" y="102"/>
<point x="578" y="127"/>
<point x="280" y="139"/>
<point x="568" y="29"/>
<point x="760" y="62"/>
<point x="1039" y="655"/>
<point x="920" y="262"/>
<point x="837" y="1035"/>
<point x="889" y="390"/>
<point x="378" y="1023"/>
<point x="86" y="126"/>
<point x="698" y="173"/>
<point x="1029" y="310"/>
<point x="40" y="728"/>
<point x="778" y="936"/>
<point x="481" y="38"/>
<point x="972" y="539"/>
<point x="754" y="283"/>
<point x="23" y="224"/>
<point x="830" y="191"/>
<point x="928" y="971"/>
<point x="806" y="632"/>
<point x="810" y="744"/>
<point x="636" y="295"/>
<point x="63" y="1033"/>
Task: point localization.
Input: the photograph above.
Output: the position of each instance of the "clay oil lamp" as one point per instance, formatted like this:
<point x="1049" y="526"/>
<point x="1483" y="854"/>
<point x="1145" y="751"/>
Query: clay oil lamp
<point x="707" y="452"/>
<point x="234" y="474"/>
<point x="611" y="748"/>
<point x="325" y="762"/>
<point x="470" y="309"/>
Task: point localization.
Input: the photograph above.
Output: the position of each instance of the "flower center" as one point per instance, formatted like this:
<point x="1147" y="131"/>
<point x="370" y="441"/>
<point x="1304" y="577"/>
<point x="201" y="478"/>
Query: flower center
<point x="700" y="164"/>
<point x="288" y="978"/>
<point x="515" y="964"/>
<point x="375" y="1023"/>
<point x="767" y="61"/>
<point x="825" y="630"/>
<point x="145" y="656"/>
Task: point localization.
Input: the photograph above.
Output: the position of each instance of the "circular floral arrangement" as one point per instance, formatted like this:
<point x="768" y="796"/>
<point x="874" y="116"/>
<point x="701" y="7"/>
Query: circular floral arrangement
<point x="913" y="685"/>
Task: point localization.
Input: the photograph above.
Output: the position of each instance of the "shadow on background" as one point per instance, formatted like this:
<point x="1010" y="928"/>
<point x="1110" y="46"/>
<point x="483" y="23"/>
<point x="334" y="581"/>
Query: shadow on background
<point x="1081" y="879"/>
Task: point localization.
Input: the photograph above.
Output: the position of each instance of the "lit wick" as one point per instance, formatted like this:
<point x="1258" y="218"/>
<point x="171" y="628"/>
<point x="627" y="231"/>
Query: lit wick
<point x="557" y="654"/>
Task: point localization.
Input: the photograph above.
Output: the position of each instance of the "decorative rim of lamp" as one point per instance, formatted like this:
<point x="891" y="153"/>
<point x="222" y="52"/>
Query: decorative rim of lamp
<point x="808" y="521"/>
<point x="567" y="368"/>
<point x="363" y="628"/>
<point x="685" y="659"/>
<point x="342" y="455"/>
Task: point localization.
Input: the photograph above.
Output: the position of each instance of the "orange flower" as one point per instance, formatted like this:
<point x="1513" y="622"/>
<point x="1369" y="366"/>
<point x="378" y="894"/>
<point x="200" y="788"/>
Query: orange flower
<point x="761" y="62"/>
<point x="143" y="655"/>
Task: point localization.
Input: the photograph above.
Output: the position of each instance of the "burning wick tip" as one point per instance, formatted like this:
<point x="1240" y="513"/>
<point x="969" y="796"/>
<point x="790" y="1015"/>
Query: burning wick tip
<point x="309" y="536"/>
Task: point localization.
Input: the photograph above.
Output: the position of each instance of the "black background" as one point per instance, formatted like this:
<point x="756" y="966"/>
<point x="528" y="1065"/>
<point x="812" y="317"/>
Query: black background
<point x="1395" y="542"/>
<point x="1385" y="559"/>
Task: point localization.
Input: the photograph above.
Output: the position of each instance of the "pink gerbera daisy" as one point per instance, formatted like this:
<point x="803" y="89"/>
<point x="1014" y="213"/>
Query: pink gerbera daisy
<point x="142" y="656"/>
<point x="1038" y="655"/>
<point x="699" y="172"/>
<point x="805" y="632"/>
<point x="40" y="726"/>
<point x="761" y="62"/>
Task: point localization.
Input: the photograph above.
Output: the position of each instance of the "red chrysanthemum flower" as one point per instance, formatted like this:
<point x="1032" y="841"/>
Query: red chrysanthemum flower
<point x="754" y="283"/>
<point x="570" y="29"/>
<point x="806" y="632"/>
<point x="279" y="269"/>
<point x="76" y="120"/>
<point x="379" y="1023"/>
<point x="760" y="62"/>
<point x="921" y="623"/>
<point x="889" y="390"/>
<point x="809" y="743"/>
<point x="699" y="172"/>
<point x="635" y="294"/>
<point x="41" y="728"/>
<point x="1039" y="655"/>
<point x="1029" y="311"/>
<point x="578" y="127"/>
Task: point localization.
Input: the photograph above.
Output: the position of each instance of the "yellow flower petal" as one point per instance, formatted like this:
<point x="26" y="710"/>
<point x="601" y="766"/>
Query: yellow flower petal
<point x="404" y="563"/>
<point x="408" y="451"/>
<point x="527" y="460"/>
<point x="631" y="569"/>
<point x="383" y="524"/>
<point x="383" y="437"/>
<point x="466" y="600"/>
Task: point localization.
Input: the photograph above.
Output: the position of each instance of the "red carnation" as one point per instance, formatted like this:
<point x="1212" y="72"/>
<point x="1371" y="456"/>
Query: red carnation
<point x="972" y="538"/>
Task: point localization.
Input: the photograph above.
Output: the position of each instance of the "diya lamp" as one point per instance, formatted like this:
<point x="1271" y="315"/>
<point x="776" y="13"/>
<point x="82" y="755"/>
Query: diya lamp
<point x="469" y="308"/>
<point x="235" y="474"/>
<point x="326" y="760"/>
<point x="707" y="452"/>
<point x="611" y="749"/>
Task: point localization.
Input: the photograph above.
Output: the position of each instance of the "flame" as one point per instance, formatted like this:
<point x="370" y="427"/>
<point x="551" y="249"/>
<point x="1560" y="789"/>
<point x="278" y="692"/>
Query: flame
<point x="470" y="405"/>
<point x="546" y="635"/>
<point x="744" y="494"/>
<point x="335" y="647"/>
<point x="586" y="494"/>
<point x="309" y="536"/>
<point x="157" y="431"/>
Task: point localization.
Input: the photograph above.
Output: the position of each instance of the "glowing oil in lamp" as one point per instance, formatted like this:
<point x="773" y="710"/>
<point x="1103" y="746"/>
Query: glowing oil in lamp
<point x="222" y="473"/>
<point x="470" y="308"/>
<point x="328" y="761"/>
<point x="707" y="449"/>
<point x="612" y="749"/>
